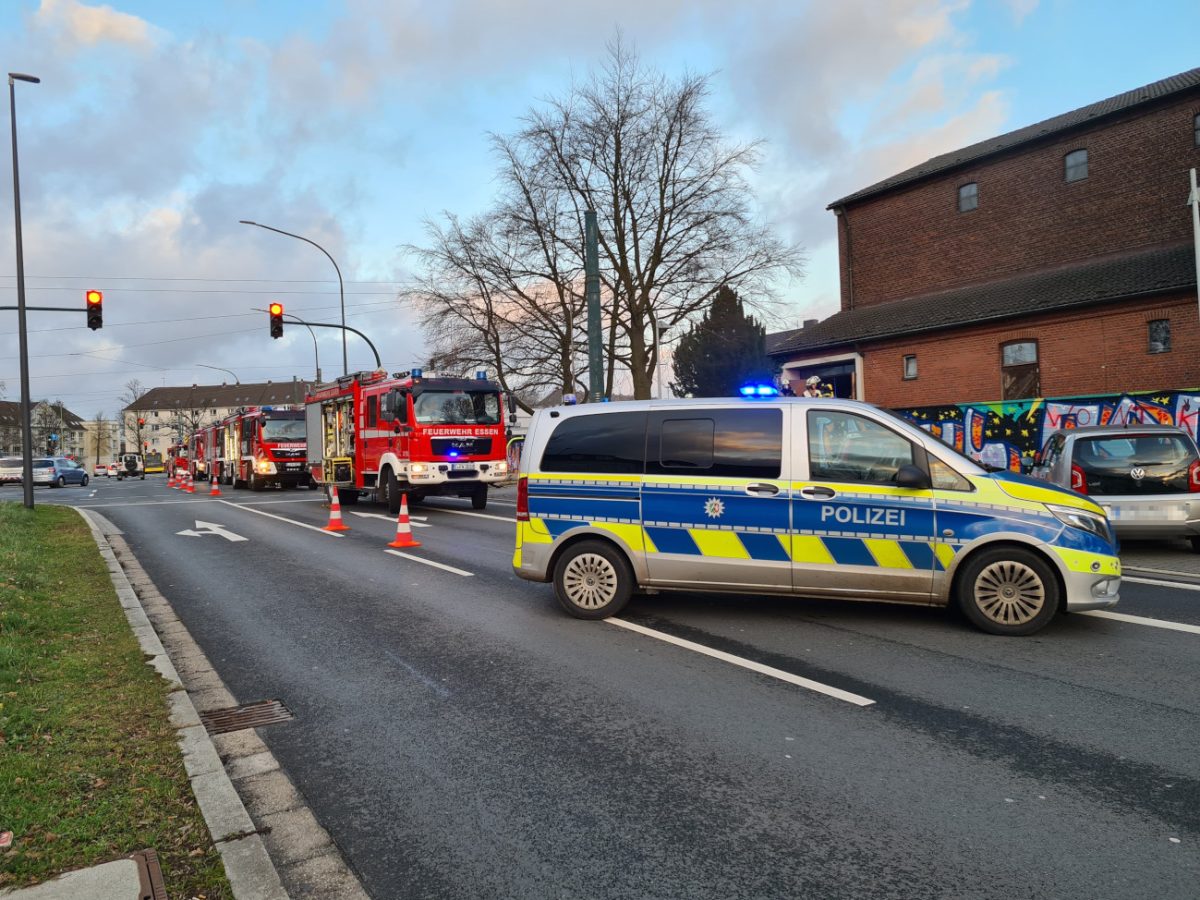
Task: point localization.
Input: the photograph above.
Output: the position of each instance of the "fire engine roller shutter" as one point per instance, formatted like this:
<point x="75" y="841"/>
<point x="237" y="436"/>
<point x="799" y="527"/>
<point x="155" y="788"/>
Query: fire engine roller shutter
<point x="461" y="445"/>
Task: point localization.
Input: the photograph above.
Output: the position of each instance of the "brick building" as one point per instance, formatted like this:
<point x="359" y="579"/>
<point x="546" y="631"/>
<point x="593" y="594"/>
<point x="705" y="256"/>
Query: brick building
<point x="1055" y="260"/>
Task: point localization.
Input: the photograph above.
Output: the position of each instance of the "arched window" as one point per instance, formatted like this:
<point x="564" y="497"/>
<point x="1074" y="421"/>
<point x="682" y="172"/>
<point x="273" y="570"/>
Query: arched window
<point x="1075" y="165"/>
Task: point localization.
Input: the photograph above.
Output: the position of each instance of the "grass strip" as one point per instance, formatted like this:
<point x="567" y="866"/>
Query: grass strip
<point x="90" y="770"/>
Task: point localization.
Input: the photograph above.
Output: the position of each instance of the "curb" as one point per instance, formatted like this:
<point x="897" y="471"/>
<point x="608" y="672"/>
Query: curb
<point x="279" y="826"/>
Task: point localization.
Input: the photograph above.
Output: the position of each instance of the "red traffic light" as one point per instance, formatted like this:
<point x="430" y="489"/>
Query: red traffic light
<point x="95" y="297"/>
<point x="276" y="311"/>
<point x="141" y="421"/>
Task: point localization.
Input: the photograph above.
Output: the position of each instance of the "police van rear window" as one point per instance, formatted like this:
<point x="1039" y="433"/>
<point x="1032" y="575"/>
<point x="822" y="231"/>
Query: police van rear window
<point x="602" y="443"/>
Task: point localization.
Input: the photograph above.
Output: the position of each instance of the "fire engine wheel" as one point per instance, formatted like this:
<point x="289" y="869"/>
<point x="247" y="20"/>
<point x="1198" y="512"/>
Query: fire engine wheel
<point x="479" y="497"/>
<point x="391" y="493"/>
<point x="256" y="483"/>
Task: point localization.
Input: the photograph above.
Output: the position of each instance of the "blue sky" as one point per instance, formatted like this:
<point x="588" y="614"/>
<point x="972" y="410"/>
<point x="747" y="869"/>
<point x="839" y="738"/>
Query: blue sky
<point x="159" y="125"/>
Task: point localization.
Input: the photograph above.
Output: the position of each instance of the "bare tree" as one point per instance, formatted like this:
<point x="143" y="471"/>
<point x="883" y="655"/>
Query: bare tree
<point x="673" y="205"/>
<point x="102" y="436"/>
<point x="134" y="421"/>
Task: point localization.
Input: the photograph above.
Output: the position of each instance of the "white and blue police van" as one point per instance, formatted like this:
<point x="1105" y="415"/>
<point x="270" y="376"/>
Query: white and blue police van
<point x="812" y="497"/>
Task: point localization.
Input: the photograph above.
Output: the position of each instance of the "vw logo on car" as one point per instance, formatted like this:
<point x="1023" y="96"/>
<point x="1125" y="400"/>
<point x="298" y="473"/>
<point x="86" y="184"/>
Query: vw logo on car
<point x="1137" y="473"/>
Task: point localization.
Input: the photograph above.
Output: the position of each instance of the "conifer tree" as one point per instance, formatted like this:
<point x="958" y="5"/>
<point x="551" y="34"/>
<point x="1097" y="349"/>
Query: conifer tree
<point x="723" y="351"/>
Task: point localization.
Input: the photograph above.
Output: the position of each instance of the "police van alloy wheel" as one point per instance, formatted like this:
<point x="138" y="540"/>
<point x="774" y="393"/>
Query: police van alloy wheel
<point x="592" y="580"/>
<point x="1008" y="591"/>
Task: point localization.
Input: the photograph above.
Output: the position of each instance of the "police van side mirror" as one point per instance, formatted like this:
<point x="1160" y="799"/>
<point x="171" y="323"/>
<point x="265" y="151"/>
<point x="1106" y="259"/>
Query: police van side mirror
<point x="912" y="478"/>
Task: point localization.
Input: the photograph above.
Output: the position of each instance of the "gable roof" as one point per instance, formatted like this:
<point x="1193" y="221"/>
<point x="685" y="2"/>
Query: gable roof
<point x="1149" y="93"/>
<point x="1144" y="273"/>
<point x="10" y="414"/>
<point x="218" y="396"/>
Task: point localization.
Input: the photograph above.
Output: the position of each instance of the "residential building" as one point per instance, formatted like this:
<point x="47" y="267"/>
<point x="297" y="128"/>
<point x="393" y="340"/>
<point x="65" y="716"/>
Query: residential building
<point x="56" y="430"/>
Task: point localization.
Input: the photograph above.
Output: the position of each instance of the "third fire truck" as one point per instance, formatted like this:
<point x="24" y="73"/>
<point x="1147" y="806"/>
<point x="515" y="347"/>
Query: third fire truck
<point x="383" y="436"/>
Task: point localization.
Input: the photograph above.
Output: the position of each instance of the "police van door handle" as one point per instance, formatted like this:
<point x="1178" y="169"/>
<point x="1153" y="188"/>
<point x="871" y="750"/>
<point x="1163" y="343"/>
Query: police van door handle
<point x="760" y="488"/>
<point x="817" y="493"/>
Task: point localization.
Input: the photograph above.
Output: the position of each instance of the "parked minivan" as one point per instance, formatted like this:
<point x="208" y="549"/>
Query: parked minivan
<point x="804" y="496"/>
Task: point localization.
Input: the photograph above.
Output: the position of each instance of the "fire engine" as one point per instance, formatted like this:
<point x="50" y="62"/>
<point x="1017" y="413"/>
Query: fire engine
<point x="253" y="447"/>
<point x="383" y="436"/>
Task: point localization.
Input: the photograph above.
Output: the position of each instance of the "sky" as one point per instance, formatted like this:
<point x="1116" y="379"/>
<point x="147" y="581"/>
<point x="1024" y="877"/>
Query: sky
<point x="158" y="126"/>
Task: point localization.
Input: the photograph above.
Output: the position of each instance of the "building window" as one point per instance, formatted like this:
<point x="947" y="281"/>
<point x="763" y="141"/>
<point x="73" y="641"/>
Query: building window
<point x="1020" y="377"/>
<point x="1075" y="165"/>
<point x="1160" y="335"/>
<point x="1196" y="131"/>
<point x="968" y="197"/>
<point x="910" y="367"/>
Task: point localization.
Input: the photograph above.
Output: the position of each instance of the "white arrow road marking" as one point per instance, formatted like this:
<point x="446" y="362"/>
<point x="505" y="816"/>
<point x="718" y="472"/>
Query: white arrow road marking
<point x="797" y="680"/>
<point x="203" y="528"/>
<point x="391" y="518"/>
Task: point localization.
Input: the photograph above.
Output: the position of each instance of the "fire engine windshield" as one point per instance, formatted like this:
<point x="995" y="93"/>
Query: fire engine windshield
<point x="456" y="408"/>
<point x="283" y="430"/>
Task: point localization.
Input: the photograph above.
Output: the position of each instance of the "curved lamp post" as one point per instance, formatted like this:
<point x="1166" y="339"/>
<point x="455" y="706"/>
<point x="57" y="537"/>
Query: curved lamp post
<point x="26" y="426"/>
<point x="341" y="287"/>
<point x="219" y="369"/>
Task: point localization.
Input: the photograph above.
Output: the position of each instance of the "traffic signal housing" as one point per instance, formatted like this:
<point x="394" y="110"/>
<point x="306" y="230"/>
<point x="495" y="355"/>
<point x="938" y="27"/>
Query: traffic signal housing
<point x="276" y="311"/>
<point x="94" y="301"/>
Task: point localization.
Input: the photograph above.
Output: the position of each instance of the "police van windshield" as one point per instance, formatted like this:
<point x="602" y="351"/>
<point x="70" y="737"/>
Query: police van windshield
<point x="283" y="430"/>
<point x="456" y="408"/>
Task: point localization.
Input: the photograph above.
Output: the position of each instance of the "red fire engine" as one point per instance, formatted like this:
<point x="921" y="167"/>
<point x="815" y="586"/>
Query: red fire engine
<point x="407" y="434"/>
<point x="254" y="447"/>
<point x="176" y="458"/>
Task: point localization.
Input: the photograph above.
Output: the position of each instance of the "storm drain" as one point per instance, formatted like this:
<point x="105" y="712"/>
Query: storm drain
<point x="249" y="715"/>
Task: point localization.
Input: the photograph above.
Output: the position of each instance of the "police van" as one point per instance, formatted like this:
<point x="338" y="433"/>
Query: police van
<point x="812" y="497"/>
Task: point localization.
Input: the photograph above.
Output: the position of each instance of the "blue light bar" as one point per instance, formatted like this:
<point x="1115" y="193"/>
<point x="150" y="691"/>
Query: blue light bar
<point x="480" y="375"/>
<point x="415" y="373"/>
<point x="758" y="390"/>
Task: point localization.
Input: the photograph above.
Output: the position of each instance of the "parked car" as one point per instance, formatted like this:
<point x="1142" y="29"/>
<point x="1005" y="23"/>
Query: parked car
<point x="58" y="471"/>
<point x="10" y="470"/>
<point x="1147" y="477"/>
<point x="99" y="469"/>
<point x="112" y="470"/>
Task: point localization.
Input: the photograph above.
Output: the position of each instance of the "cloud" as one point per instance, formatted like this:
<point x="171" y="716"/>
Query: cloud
<point x="1021" y="8"/>
<point x="77" y="24"/>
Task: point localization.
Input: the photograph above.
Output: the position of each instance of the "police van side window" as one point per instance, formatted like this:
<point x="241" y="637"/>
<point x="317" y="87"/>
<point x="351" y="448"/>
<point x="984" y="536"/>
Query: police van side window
<point x="603" y="443"/>
<point x="846" y="447"/>
<point x="728" y="443"/>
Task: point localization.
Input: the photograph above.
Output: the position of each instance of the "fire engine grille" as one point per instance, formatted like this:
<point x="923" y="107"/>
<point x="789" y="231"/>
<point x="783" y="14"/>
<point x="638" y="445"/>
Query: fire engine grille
<point x="461" y="445"/>
<point x="249" y="715"/>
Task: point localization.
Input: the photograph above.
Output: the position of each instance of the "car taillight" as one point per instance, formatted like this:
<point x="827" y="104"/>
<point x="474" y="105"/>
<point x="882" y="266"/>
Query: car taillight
<point x="523" y="500"/>
<point x="1194" y="477"/>
<point x="1078" y="480"/>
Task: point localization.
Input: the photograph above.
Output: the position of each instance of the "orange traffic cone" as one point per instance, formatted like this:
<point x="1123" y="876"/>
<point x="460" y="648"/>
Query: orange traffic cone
<point x="335" y="512"/>
<point x="171" y="479"/>
<point x="213" y="490"/>
<point x="404" y="536"/>
<point x="190" y="486"/>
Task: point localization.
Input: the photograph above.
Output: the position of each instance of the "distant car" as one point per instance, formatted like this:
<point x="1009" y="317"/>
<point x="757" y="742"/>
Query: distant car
<point x="1147" y="477"/>
<point x="58" y="471"/>
<point x="99" y="469"/>
<point x="10" y="470"/>
<point x="112" y="470"/>
<point x="130" y="466"/>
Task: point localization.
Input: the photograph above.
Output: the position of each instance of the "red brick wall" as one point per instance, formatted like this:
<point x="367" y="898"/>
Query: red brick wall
<point x="913" y="240"/>
<point x="1095" y="351"/>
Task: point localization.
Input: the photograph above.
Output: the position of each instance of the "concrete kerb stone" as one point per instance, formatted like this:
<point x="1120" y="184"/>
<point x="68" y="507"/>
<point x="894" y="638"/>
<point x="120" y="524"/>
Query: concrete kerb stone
<point x="248" y="867"/>
<point x="294" y="835"/>
<point x="324" y="876"/>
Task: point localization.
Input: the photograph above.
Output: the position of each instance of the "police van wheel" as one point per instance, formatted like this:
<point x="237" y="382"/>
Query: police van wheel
<point x="592" y="580"/>
<point x="1008" y="591"/>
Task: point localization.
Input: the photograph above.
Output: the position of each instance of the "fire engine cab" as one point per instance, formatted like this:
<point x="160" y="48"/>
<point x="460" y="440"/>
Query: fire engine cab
<point x="383" y="436"/>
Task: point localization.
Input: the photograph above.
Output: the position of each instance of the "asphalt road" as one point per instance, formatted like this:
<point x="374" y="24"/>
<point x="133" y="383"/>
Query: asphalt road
<point x="460" y="737"/>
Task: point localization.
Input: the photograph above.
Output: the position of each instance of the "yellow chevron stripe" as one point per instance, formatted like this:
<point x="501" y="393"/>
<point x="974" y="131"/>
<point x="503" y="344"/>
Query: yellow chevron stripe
<point x="634" y="536"/>
<point x="723" y="544"/>
<point x="808" y="548"/>
<point x="888" y="553"/>
<point x="535" y="532"/>
<point x="945" y="554"/>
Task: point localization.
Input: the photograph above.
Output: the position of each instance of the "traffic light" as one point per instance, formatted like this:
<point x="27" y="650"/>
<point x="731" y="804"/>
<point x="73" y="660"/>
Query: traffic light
<point x="276" y="310"/>
<point x="141" y="421"/>
<point x="95" y="309"/>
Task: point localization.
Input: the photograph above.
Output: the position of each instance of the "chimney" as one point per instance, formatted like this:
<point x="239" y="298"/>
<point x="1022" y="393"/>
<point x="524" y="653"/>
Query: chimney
<point x="808" y="322"/>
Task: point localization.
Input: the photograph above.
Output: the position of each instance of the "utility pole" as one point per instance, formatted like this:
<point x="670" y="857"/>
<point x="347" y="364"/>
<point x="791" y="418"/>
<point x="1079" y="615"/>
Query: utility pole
<point x="591" y="287"/>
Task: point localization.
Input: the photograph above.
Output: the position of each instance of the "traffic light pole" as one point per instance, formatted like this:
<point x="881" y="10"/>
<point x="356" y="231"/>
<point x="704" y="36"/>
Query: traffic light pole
<point x="344" y="328"/>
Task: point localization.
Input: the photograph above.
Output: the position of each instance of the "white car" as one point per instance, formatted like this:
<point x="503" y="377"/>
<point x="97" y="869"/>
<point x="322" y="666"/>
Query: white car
<point x="111" y="470"/>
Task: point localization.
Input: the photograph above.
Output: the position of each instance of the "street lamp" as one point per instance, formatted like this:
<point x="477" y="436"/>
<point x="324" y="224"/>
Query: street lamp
<point x="341" y="287"/>
<point x="26" y="426"/>
<point x="219" y="369"/>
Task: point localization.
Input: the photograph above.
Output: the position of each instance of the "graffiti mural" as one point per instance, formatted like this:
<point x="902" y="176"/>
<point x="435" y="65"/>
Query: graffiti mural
<point x="1007" y="434"/>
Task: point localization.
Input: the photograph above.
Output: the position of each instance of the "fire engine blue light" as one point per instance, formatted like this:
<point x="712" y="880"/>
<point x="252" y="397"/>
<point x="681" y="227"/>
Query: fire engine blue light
<point x="480" y="375"/>
<point x="416" y="373"/>
<point x="452" y="454"/>
<point x="758" y="390"/>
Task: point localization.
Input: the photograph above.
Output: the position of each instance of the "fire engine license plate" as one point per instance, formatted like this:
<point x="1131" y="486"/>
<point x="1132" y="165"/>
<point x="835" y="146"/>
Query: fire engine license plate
<point x="458" y="467"/>
<point x="292" y="467"/>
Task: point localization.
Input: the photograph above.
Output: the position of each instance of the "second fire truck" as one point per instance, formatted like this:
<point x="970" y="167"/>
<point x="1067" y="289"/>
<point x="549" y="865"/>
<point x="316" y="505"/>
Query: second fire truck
<point x="254" y="448"/>
<point x="383" y="436"/>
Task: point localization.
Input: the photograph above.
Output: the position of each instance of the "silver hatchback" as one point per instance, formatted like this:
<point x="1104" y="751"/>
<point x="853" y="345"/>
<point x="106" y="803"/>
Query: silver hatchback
<point x="1147" y="477"/>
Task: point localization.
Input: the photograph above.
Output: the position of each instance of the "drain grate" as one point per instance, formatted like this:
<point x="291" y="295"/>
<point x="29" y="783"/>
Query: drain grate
<point x="249" y="715"/>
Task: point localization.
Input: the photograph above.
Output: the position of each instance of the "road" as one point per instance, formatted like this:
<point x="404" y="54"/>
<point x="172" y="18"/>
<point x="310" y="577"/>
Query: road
<point x="461" y="737"/>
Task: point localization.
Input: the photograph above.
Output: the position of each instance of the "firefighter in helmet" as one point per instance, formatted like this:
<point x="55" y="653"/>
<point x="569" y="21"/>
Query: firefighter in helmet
<point x="814" y="388"/>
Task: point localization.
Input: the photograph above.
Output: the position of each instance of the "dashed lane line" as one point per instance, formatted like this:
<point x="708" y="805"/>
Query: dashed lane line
<point x="477" y="515"/>
<point x="430" y="562"/>
<point x="259" y="512"/>
<point x="1183" y="586"/>
<point x="1140" y="620"/>
<point x="808" y="683"/>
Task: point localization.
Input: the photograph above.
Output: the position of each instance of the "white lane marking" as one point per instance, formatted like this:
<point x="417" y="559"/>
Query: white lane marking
<point x="259" y="512"/>
<point x="808" y="683"/>
<point x="138" y="503"/>
<point x="463" y="512"/>
<point x="1140" y="620"/>
<point x="1172" y="584"/>
<point x="390" y="518"/>
<point x="430" y="562"/>
<point x="320" y="498"/>
<point x="203" y="528"/>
